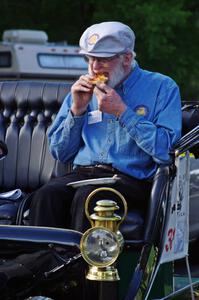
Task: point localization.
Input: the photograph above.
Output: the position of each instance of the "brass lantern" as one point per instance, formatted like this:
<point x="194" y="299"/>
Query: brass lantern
<point x="102" y="243"/>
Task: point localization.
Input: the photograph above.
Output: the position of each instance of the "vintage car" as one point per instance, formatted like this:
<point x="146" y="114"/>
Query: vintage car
<point x="126" y="254"/>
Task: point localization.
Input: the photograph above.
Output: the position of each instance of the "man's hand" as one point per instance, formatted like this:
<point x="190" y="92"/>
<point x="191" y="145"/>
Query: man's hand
<point x="81" y="92"/>
<point x="108" y="100"/>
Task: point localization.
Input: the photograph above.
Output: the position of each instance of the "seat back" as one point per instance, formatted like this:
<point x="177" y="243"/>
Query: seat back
<point x="27" y="110"/>
<point x="190" y="119"/>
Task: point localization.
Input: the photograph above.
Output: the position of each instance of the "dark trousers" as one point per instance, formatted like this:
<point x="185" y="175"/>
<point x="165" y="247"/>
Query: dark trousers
<point x="57" y="205"/>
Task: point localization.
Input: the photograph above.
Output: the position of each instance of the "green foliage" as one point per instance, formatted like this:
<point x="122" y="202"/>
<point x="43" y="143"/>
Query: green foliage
<point x="167" y="31"/>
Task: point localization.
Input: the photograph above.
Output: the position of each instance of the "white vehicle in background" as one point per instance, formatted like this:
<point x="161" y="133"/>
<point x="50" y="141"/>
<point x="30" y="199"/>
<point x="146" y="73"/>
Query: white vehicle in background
<point x="27" y="54"/>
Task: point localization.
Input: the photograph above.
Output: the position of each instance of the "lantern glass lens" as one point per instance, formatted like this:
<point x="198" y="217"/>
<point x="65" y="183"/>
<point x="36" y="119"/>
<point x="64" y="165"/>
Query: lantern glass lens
<point x="99" y="246"/>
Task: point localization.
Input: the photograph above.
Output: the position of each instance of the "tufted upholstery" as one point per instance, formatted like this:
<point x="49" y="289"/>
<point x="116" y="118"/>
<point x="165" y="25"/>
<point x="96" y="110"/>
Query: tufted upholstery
<point x="26" y="112"/>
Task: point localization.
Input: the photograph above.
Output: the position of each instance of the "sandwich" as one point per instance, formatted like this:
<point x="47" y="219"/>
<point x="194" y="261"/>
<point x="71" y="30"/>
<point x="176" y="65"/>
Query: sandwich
<point x="99" y="78"/>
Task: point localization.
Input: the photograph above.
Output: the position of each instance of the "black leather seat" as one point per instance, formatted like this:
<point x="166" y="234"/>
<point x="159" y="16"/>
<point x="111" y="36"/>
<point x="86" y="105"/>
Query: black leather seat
<point x="190" y="115"/>
<point x="27" y="109"/>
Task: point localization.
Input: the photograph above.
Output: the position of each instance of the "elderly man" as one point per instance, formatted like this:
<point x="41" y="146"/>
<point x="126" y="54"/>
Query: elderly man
<point x="118" y="119"/>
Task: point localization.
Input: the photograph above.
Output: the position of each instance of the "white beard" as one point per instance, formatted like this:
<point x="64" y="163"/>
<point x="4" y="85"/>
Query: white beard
<point x="117" y="75"/>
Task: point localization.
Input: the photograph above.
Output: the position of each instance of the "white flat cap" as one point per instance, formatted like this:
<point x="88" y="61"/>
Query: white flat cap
<point x="107" y="39"/>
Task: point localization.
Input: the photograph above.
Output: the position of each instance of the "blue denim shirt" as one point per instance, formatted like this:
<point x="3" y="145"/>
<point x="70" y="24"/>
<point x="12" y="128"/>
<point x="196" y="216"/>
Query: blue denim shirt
<point x="136" y="142"/>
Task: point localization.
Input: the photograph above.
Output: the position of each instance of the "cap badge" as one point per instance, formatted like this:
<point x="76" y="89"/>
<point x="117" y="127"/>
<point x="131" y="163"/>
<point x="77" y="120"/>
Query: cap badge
<point x="92" y="40"/>
<point x="141" y="110"/>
